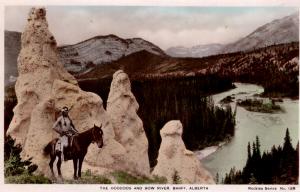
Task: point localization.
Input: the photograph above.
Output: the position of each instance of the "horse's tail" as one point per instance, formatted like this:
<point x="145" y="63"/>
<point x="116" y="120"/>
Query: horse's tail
<point x="47" y="148"/>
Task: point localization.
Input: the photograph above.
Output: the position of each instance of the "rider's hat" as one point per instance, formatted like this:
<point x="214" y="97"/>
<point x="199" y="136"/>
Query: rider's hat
<point x="65" y="109"/>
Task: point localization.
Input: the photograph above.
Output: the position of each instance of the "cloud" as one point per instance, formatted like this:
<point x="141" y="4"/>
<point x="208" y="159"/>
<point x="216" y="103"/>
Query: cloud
<point x="164" y="26"/>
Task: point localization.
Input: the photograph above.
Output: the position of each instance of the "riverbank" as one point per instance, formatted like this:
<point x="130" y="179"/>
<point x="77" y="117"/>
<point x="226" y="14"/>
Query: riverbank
<point x="201" y="154"/>
<point x="268" y="126"/>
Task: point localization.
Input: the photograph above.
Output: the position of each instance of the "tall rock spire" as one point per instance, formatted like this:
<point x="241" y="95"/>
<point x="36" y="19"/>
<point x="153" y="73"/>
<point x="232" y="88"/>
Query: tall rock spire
<point x="38" y="67"/>
<point x="43" y="88"/>
<point x="122" y="108"/>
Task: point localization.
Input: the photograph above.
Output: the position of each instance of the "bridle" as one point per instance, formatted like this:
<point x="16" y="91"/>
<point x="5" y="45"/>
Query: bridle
<point x="93" y="135"/>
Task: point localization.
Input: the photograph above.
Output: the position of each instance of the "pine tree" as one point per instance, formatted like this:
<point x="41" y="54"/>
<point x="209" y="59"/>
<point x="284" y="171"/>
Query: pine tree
<point x="14" y="165"/>
<point x="259" y="169"/>
<point x="253" y="149"/>
<point x="296" y="163"/>
<point x="258" y="147"/>
<point x="247" y="169"/>
<point x="217" y="178"/>
<point x="287" y="146"/>
<point x="249" y="151"/>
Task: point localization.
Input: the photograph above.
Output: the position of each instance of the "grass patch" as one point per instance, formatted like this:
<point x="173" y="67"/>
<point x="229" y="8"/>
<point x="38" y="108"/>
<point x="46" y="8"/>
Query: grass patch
<point x="26" y="178"/>
<point x="258" y="105"/>
<point x="125" y="178"/>
<point x="88" y="178"/>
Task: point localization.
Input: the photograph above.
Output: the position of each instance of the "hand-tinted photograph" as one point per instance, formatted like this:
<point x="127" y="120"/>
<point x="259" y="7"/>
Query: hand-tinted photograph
<point x="151" y="95"/>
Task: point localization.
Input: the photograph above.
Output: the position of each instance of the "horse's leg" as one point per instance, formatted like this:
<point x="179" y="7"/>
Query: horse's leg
<point x="51" y="163"/>
<point x="59" y="164"/>
<point x="80" y="165"/>
<point x="75" y="161"/>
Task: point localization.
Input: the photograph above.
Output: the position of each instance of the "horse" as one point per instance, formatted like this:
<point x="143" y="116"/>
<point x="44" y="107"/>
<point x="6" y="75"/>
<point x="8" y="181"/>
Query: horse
<point x="77" y="150"/>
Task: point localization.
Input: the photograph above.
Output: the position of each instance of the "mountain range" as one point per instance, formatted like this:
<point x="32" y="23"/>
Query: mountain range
<point x="278" y="31"/>
<point x="85" y="56"/>
<point x="81" y="57"/>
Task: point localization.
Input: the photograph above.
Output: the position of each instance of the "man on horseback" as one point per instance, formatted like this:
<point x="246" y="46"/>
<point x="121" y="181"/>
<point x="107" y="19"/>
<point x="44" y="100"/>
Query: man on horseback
<point x="65" y="128"/>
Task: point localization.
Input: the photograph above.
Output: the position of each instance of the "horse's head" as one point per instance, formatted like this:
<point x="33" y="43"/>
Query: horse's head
<point x="98" y="135"/>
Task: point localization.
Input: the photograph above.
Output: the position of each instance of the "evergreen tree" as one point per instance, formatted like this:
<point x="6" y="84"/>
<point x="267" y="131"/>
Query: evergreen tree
<point x="253" y="149"/>
<point x="14" y="165"/>
<point x="217" y="178"/>
<point x="258" y="147"/>
<point x="287" y="146"/>
<point x="247" y="169"/>
<point x="227" y="179"/>
<point x="249" y="151"/>
<point x="296" y="162"/>
<point x="254" y="160"/>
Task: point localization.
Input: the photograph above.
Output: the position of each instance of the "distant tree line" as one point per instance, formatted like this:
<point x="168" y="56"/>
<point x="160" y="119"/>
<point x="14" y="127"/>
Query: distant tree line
<point x="279" y="166"/>
<point x="183" y="98"/>
<point x="271" y="67"/>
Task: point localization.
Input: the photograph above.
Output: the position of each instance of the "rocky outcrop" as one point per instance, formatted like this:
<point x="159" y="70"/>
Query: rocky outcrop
<point x="43" y="88"/>
<point x="122" y="108"/>
<point x="175" y="161"/>
<point x="38" y="68"/>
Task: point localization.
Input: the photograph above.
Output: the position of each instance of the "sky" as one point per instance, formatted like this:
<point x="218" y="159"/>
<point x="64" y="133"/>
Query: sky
<point x="163" y="26"/>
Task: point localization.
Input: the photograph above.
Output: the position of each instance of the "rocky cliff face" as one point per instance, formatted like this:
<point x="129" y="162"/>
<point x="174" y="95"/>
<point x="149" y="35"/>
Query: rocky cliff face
<point x="174" y="158"/>
<point x="42" y="88"/>
<point x="122" y="108"/>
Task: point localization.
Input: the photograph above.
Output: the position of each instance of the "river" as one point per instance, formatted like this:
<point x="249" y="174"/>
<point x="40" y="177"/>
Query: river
<point x="269" y="127"/>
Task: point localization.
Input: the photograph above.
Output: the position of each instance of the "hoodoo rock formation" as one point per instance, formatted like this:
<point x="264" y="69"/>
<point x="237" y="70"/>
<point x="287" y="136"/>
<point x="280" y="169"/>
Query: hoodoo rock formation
<point x="38" y="67"/>
<point x="42" y="89"/>
<point x="122" y="108"/>
<point x="174" y="158"/>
